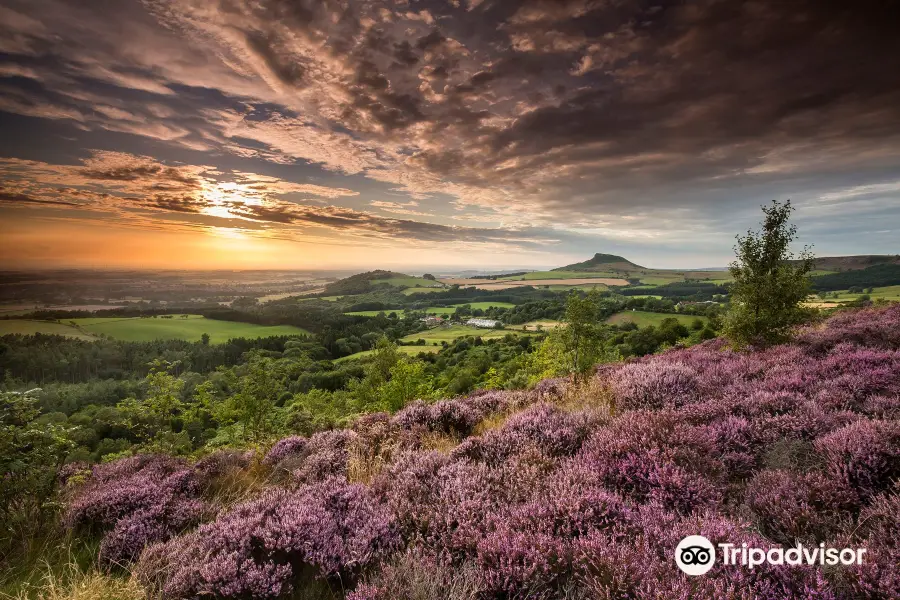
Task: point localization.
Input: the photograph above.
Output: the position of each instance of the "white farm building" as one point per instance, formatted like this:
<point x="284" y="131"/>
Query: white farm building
<point x="483" y="323"/>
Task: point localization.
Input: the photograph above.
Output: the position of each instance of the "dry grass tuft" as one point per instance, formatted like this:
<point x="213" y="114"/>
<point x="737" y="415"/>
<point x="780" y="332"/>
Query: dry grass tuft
<point x="495" y="421"/>
<point x="366" y="460"/>
<point x="440" y="442"/>
<point x="238" y="485"/>
<point x="71" y="583"/>
<point x="593" y="395"/>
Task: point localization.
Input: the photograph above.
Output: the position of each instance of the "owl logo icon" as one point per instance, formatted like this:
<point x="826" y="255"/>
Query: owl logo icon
<point x="695" y="555"/>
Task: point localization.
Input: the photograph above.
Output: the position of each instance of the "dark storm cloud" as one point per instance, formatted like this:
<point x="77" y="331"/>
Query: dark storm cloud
<point x="565" y="112"/>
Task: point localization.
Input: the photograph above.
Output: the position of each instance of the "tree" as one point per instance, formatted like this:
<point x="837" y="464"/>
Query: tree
<point x="583" y="335"/>
<point x="30" y="454"/>
<point x="769" y="284"/>
<point x="151" y="420"/>
<point x="254" y="406"/>
<point x="429" y="277"/>
<point x="408" y="382"/>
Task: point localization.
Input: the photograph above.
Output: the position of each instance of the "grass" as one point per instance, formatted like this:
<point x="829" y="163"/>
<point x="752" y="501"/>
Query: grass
<point x="449" y="334"/>
<point x="584" y="287"/>
<point x="644" y="319"/>
<point x="421" y="290"/>
<point x="136" y="329"/>
<point x="432" y="310"/>
<point x="890" y="293"/>
<point x="487" y="305"/>
<point x="29" y="327"/>
<point x="544" y="323"/>
<point x="374" y="313"/>
<point x="655" y="280"/>
<point x="406" y="282"/>
<point x="408" y="350"/>
<point x="538" y="275"/>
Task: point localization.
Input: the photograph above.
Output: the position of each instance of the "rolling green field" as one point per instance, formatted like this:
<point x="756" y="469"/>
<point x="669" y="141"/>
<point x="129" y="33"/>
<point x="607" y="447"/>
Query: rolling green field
<point x="29" y="327"/>
<point x="890" y="293"/>
<point x="546" y="325"/>
<point x="374" y="313"/>
<point x="643" y="319"/>
<point x="421" y="290"/>
<point x="448" y="334"/>
<point x="433" y="310"/>
<point x="584" y="287"/>
<point x="407" y="282"/>
<point x="487" y="305"/>
<point x="190" y="329"/>
<point x="537" y="275"/>
<point x="408" y="350"/>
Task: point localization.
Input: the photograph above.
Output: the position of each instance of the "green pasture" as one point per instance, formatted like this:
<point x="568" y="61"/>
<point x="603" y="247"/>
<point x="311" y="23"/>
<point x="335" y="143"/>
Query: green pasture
<point x="538" y="275"/>
<point x="30" y="327"/>
<point x="586" y="287"/>
<point x="405" y="282"/>
<point x="448" y="334"/>
<point x="374" y="313"/>
<point x="891" y="293"/>
<point x="408" y="350"/>
<point x="644" y="319"/>
<point x="189" y="328"/>
<point x="421" y="290"/>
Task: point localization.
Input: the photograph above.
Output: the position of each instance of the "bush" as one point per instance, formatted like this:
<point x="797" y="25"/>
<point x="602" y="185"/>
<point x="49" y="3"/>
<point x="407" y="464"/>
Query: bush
<point x="260" y="548"/>
<point x="789" y="506"/>
<point x="865" y="455"/>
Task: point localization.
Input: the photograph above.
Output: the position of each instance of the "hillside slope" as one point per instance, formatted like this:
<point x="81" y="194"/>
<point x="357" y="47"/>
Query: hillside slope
<point x="603" y="263"/>
<point x="579" y="493"/>
<point x="362" y="283"/>
<point x="851" y="263"/>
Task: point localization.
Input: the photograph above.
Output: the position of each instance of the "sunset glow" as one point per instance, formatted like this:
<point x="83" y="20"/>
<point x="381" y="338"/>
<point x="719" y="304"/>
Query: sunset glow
<point x="525" y="133"/>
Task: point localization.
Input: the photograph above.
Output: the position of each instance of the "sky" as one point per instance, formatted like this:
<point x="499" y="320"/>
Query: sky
<point x="441" y="133"/>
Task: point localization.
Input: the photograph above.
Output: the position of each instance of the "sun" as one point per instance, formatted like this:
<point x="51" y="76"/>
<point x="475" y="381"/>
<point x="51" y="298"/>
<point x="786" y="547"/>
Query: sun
<point x="222" y="199"/>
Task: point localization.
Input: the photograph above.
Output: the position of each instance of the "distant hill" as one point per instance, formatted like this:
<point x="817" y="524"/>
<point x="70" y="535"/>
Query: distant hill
<point x="880" y="275"/>
<point x="362" y="283"/>
<point x="603" y="263"/>
<point x="853" y="263"/>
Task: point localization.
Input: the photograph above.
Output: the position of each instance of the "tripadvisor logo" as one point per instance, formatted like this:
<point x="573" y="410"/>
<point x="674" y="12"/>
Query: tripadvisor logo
<point x="695" y="555"/>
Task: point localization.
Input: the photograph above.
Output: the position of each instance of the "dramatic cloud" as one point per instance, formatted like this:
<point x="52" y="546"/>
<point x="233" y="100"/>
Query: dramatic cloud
<point x="595" y="120"/>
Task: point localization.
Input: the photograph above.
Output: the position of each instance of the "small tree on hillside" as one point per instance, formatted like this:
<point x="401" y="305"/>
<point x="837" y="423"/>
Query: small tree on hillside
<point x="768" y="290"/>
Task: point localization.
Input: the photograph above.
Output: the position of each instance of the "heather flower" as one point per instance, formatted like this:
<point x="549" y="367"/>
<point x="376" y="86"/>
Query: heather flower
<point x="790" y="506"/>
<point x="652" y="384"/>
<point x="293" y="446"/>
<point x="865" y="455"/>
<point x="158" y="523"/>
<point x="135" y="502"/>
<point x="543" y="427"/>
<point x="879" y="575"/>
<point x="325" y="455"/>
<point x="522" y="564"/>
<point x="222" y="462"/>
<point x="259" y="548"/>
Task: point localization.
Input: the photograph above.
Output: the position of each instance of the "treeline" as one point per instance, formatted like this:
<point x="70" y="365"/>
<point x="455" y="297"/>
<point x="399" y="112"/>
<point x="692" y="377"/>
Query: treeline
<point x="500" y="276"/>
<point x="683" y="290"/>
<point x="41" y="359"/>
<point x="875" y="276"/>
